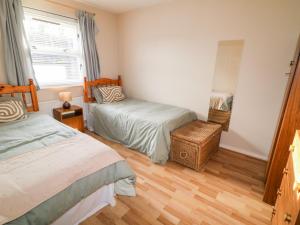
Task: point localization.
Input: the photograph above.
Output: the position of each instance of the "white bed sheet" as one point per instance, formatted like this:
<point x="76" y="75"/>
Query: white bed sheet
<point x="88" y="206"/>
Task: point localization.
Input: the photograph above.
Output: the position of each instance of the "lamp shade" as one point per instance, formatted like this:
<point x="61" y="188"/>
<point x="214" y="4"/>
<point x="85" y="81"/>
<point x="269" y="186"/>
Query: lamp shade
<point x="65" y="96"/>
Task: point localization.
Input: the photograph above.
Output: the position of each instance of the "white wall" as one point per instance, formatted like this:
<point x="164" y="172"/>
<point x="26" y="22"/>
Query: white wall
<point x="227" y="66"/>
<point x="106" y="40"/>
<point x="168" y="53"/>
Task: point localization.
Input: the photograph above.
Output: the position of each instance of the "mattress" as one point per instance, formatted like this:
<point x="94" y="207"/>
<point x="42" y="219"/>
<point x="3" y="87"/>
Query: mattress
<point x="141" y="125"/>
<point x="40" y="130"/>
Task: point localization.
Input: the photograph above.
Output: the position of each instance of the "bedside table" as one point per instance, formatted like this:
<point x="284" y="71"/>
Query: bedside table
<point x="72" y="117"/>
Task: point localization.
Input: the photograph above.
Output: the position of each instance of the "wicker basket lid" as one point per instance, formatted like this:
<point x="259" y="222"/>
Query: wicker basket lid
<point x="197" y="131"/>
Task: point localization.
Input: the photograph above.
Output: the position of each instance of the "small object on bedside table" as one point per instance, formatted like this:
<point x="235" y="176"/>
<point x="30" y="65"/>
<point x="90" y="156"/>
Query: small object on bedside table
<point x="193" y="143"/>
<point x="65" y="97"/>
<point x="72" y="117"/>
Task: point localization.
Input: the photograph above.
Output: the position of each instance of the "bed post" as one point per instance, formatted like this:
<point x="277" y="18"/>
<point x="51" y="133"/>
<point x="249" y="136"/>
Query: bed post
<point x="119" y="80"/>
<point x="85" y="90"/>
<point x="34" y="99"/>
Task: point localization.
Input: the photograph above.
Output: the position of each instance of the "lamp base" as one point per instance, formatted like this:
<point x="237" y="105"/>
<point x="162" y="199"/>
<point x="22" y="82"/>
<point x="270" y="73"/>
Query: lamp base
<point x="66" y="105"/>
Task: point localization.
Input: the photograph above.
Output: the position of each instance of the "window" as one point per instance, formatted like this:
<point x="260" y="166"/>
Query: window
<point x="55" y="47"/>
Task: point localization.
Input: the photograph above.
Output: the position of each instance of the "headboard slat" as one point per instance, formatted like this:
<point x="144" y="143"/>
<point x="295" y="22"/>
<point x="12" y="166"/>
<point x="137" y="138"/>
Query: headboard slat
<point x="24" y="98"/>
<point x="12" y="90"/>
<point x="88" y="85"/>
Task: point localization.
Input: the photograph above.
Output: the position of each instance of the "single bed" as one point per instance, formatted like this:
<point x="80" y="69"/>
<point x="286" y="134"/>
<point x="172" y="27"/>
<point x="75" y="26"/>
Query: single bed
<point x="141" y="125"/>
<point x="53" y="174"/>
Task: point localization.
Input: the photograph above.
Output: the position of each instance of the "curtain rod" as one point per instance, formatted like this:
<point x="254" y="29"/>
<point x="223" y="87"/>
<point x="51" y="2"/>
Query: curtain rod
<point x="50" y="13"/>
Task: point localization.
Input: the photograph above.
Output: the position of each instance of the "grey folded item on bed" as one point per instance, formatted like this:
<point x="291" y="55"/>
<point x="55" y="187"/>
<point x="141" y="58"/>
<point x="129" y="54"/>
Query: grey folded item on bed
<point x="140" y="125"/>
<point x="37" y="131"/>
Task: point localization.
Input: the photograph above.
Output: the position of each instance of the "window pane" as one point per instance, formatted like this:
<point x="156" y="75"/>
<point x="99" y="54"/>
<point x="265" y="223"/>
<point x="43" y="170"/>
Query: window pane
<point x="56" y="69"/>
<point x="56" y="49"/>
<point x="59" y="37"/>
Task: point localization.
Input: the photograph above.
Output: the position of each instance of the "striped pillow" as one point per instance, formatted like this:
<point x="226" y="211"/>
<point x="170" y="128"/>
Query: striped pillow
<point x="111" y="94"/>
<point x="11" y="109"/>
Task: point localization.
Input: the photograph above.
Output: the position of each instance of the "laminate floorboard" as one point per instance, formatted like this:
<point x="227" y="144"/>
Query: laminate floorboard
<point x="227" y="191"/>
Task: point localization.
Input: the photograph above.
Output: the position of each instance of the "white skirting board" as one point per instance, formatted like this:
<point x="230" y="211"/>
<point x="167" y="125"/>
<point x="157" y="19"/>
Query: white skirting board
<point x="242" y="151"/>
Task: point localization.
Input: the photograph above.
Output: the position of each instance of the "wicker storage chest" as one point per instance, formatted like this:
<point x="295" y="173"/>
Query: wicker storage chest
<point x="193" y="143"/>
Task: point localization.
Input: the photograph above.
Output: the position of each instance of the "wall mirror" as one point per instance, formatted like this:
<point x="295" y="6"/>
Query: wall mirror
<point x="225" y="81"/>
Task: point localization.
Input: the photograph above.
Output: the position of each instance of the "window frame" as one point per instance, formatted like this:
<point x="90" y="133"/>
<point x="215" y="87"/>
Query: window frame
<point x="54" y="18"/>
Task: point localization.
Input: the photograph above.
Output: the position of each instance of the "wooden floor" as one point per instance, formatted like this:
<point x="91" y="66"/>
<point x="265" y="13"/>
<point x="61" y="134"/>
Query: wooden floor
<point x="228" y="191"/>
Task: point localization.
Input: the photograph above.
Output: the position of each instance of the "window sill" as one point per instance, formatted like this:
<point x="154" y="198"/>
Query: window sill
<point x="62" y="86"/>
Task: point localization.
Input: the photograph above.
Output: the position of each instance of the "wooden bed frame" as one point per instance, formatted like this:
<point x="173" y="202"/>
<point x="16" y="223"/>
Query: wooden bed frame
<point x="88" y="85"/>
<point x="6" y="89"/>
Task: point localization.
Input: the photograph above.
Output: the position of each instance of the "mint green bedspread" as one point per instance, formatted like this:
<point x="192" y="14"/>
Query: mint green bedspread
<point x="38" y="131"/>
<point x="42" y="130"/>
<point x="140" y="125"/>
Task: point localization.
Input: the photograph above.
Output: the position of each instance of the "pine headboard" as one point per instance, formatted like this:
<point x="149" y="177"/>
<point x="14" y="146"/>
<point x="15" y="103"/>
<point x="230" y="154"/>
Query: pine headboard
<point x="88" y="85"/>
<point x="6" y="89"/>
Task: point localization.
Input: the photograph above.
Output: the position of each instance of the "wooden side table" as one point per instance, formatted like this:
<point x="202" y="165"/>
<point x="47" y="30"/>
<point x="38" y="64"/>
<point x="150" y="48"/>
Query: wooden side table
<point x="72" y="117"/>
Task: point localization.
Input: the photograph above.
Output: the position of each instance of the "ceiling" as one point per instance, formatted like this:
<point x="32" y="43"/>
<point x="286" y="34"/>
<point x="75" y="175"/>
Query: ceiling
<point x="121" y="6"/>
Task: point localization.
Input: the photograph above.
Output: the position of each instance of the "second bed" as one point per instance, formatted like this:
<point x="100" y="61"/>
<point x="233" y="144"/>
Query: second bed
<point x="137" y="124"/>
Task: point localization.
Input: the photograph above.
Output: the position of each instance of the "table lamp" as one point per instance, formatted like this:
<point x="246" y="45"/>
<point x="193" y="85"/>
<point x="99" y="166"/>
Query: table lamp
<point x="65" y="97"/>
